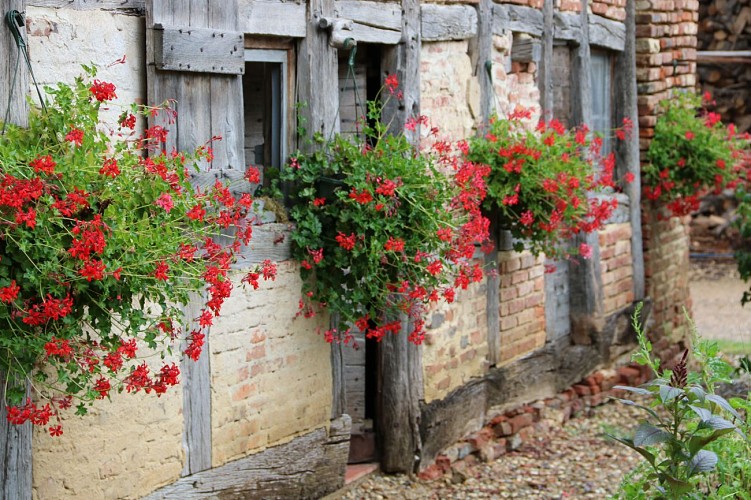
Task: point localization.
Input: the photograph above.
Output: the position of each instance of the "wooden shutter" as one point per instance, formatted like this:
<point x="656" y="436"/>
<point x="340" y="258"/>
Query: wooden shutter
<point x="195" y="55"/>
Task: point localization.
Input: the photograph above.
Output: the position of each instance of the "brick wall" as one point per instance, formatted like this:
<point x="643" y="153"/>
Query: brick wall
<point x="456" y="343"/>
<point x="445" y="79"/>
<point x="270" y="373"/>
<point x="617" y="268"/>
<point x="514" y="82"/>
<point x="522" y="304"/>
<point x="666" y="60"/>
<point x="611" y="9"/>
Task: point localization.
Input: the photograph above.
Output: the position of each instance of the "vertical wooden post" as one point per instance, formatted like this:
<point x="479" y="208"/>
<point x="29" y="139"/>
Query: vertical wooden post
<point x="317" y="73"/>
<point x="15" y="440"/>
<point x="585" y="274"/>
<point x="400" y="361"/>
<point x="627" y="151"/>
<point x="546" y="68"/>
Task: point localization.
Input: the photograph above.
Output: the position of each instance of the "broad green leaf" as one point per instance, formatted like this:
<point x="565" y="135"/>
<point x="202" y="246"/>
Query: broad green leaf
<point x="723" y="403"/>
<point x="703" y="461"/>
<point x="647" y="434"/>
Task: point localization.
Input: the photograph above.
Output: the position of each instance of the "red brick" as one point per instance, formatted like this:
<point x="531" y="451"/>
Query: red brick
<point x="481" y="438"/>
<point x="629" y="375"/>
<point x="582" y="390"/>
<point x="430" y="473"/>
<point x="521" y="421"/>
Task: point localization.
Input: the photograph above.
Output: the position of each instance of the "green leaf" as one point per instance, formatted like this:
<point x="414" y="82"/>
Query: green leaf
<point x="669" y="393"/>
<point x="641" y="451"/>
<point x="635" y="390"/>
<point x="703" y="461"/>
<point x="716" y="422"/>
<point x="647" y="434"/>
<point x="723" y="403"/>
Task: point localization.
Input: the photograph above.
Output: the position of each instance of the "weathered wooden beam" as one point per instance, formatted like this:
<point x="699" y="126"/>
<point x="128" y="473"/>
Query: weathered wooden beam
<point x="606" y="33"/>
<point x="338" y="386"/>
<point x="545" y="81"/>
<point x="309" y="466"/>
<point x="196" y="384"/>
<point x="723" y="56"/>
<point x="270" y="241"/>
<point x="627" y="151"/>
<point x="447" y="22"/>
<point x="364" y="33"/>
<point x="124" y="5"/>
<point x="518" y="19"/>
<point x="526" y="50"/>
<point x="15" y="440"/>
<point x="272" y="18"/>
<point x="318" y="75"/>
<point x="585" y="277"/>
<point x="567" y="26"/>
<point x="381" y="15"/>
<point x="198" y="50"/>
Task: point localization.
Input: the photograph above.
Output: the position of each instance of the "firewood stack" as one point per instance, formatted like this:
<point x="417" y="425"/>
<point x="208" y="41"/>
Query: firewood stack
<point x="725" y="25"/>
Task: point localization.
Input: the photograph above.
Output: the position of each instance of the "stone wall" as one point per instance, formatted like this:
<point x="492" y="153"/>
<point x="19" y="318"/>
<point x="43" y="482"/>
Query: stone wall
<point x="513" y="82"/>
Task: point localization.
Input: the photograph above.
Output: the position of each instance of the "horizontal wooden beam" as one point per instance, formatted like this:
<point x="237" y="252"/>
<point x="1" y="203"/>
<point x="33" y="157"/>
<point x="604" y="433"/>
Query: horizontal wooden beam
<point x="723" y="56"/>
<point x="447" y="22"/>
<point x="270" y="241"/>
<point x="381" y="15"/>
<point x="567" y="26"/>
<point x="370" y="34"/>
<point x="607" y="33"/>
<point x="89" y="4"/>
<point x="272" y="18"/>
<point x="507" y="17"/>
<point x="198" y="50"/>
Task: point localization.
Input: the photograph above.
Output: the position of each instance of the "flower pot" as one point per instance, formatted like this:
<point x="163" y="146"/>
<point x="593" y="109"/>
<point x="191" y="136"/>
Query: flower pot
<point x="327" y="186"/>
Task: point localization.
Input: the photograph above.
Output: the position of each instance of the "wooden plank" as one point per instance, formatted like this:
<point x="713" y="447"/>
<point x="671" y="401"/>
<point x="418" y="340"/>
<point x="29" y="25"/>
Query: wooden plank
<point x="480" y="52"/>
<point x="546" y="68"/>
<point x="272" y="17"/>
<point x="492" y="310"/>
<point x="447" y="22"/>
<point x="369" y="34"/>
<point x="606" y="33"/>
<point x="15" y="440"/>
<point x="567" y="26"/>
<point x="309" y="466"/>
<point x="627" y="151"/>
<point x="338" y="389"/>
<point x="270" y="241"/>
<point x="198" y="50"/>
<point x="526" y="50"/>
<point x="507" y="17"/>
<point x="318" y="76"/>
<point x="196" y="385"/>
<point x="383" y="15"/>
<point x="127" y="6"/>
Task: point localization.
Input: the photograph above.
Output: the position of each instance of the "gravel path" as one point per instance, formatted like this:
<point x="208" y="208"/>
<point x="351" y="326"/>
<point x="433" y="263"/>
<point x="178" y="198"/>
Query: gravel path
<point x="573" y="461"/>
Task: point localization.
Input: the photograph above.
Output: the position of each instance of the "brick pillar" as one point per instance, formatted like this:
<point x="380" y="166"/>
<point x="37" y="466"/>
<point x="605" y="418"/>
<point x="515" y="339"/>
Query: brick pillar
<point x="665" y="61"/>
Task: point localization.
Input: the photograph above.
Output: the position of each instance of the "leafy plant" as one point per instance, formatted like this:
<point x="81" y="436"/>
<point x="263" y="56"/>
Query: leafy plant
<point x="541" y="181"/>
<point x="381" y="228"/>
<point x="684" y="419"/>
<point x="691" y="153"/>
<point x="100" y="245"/>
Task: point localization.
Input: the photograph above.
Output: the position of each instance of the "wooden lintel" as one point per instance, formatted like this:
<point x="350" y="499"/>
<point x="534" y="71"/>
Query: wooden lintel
<point x="380" y="15"/>
<point x="272" y="17"/>
<point x="567" y="26"/>
<point x="606" y="33"/>
<point x="518" y="19"/>
<point x="198" y="50"/>
<point x="124" y="5"/>
<point x="370" y="34"/>
<point x="447" y="22"/>
<point x="270" y="241"/>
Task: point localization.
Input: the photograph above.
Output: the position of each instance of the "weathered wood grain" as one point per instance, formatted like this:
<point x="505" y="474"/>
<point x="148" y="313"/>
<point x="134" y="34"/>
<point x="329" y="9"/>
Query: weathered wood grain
<point x="606" y="33"/>
<point x="364" y="33"/>
<point x="447" y="22"/>
<point x="383" y="15"/>
<point x="338" y="388"/>
<point x="526" y="50"/>
<point x="270" y="241"/>
<point x="545" y="81"/>
<point x="480" y="52"/>
<point x="567" y="26"/>
<point x="15" y="440"/>
<point x="127" y="6"/>
<point x="627" y="151"/>
<point x="518" y="19"/>
<point x="723" y="56"/>
<point x="198" y="50"/>
<point x="272" y="17"/>
<point x="309" y="466"/>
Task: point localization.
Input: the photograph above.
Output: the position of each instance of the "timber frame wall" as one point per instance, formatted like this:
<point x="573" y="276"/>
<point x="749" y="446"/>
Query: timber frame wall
<point x="413" y="428"/>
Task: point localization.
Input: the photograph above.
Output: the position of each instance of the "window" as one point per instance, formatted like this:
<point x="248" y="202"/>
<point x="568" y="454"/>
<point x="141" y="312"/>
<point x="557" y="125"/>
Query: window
<point x="265" y="106"/>
<point x="602" y="107"/>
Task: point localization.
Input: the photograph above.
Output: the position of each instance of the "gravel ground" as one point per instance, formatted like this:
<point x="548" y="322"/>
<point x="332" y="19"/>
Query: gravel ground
<point x="571" y="461"/>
